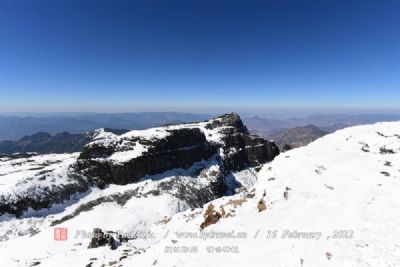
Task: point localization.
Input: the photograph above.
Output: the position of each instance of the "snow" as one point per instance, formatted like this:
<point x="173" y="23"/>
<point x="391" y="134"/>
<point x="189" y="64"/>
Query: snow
<point x="18" y="175"/>
<point x="152" y="133"/>
<point x="128" y="145"/>
<point x="332" y="184"/>
<point x="362" y="202"/>
<point x="123" y="156"/>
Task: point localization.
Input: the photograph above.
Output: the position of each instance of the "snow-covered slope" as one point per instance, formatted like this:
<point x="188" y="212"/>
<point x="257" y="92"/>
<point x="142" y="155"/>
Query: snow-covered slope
<point x="36" y="182"/>
<point x="128" y="146"/>
<point x="342" y="209"/>
<point x="334" y="202"/>
<point x="124" y="182"/>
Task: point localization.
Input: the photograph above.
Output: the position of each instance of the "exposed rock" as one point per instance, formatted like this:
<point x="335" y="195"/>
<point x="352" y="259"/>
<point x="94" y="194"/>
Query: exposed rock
<point x="230" y="119"/>
<point x="95" y="151"/>
<point x="243" y="150"/>
<point x="286" y="195"/>
<point x="43" y="199"/>
<point x="385" y="174"/>
<point x="101" y="239"/>
<point x="365" y="148"/>
<point x="286" y="147"/>
<point x="119" y="198"/>
<point x="388" y="164"/>
<point x="16" y="156"/>
<point x="180" y="149"/>
<point x="384" y="150"/>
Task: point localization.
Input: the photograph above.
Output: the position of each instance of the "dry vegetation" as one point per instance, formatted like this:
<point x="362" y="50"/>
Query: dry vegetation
<point x="210" y="217"/>
<point x="261" y="205"/>
<point x="165" y="220"/>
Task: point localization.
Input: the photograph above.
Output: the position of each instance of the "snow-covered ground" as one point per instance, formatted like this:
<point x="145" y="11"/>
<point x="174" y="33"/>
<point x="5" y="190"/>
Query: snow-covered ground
<point x="129" y="146"/>
<point x="342" y="209"/>
<point x="16" y="174"/>
<point x="335" y="202"/>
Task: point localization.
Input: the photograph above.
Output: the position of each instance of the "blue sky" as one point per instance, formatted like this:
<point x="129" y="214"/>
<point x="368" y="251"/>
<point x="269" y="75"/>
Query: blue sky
<point x="182" y="55"/>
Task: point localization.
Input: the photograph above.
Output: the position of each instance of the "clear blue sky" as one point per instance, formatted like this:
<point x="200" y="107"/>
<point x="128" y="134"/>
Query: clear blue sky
<point x="121" y="55"/>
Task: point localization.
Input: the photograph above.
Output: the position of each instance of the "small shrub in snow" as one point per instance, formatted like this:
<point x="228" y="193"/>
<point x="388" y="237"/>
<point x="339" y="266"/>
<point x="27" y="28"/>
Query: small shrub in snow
<point x="211" y="217"/>
<point x="261" y="205"/>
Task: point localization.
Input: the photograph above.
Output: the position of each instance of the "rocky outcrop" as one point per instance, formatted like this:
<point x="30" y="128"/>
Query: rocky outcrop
<point x="180" y="149"/>
<point x="40" y="197"/>
<point x="286" y="147"/>
<point x="216" y="148"/>
<point x="230" y="120"/>
<point x="183" y="147"/>
<point x="243" y="150"/>
<point x="101" y="239"/>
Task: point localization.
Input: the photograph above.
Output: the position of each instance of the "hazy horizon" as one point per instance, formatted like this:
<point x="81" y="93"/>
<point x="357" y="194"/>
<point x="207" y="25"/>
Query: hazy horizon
<point x="270" y="113"/>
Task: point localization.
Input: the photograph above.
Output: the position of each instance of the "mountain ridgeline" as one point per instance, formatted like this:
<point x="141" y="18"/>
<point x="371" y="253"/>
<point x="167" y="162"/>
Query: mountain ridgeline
<point x="298" y="136"/>
<point x="181" y="148"/>
<point x="42" y="134"/>
<point x="14" y="127"/>
<point x="46" y="143"/>
<point x="123" y="158"/>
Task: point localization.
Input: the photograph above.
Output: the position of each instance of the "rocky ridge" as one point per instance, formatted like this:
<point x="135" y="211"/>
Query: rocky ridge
<point x="210" y="149"/>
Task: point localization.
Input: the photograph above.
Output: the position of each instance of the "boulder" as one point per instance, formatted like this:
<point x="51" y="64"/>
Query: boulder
<point x="101" y="239"/>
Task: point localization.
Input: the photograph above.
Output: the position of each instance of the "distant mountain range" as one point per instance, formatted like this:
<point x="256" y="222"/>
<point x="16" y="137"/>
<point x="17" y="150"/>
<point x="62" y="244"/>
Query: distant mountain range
<point x="46" y="143"/>
<point x="329" y="123"/>
<point x="298" y="136"/>
<point x="15" y="127"/>
<point x="70" y="132"/>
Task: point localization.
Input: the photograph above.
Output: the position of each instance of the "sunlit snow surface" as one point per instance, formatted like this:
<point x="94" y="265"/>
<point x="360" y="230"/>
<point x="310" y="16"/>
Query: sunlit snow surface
<point x="349" y="181"/>
<point x="128" y="147"/>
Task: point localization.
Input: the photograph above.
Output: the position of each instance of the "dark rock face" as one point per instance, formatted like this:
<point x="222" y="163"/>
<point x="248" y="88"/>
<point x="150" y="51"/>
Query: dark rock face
<point x="44" y="200"/>
<point x="180" y="149"/>
<point x="243" y="150"/>
<point x="17" y="156"/>
<point x="101" y="239"/>
<point x="95" y="151"/>
<point x="230" y="119"/>
<point x="286" y="147"/>
<point x="184" y="147"/>
<point x="248" y="151"/>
